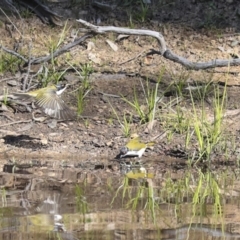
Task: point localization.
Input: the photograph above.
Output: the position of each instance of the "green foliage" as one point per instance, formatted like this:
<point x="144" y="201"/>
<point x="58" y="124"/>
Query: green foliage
<point x="85" y="88"/>
<point x="208" y="132"/>
<point x="26" y="13"/>
<point x="8" y="62"/>
<point x="177" y="121"/>
<point x="207" y="187"/>
<point x="137" y="11"/>
<point x="143" y="196"/>
<point x="50" y="76"/>
<point x="81" y="203"/>
<point x="5" y="96"/>
<point x="54" y="43"/>
<point x="125" y="123"/>
<point x="146" y="113"/>
<point x="142" y="15"/>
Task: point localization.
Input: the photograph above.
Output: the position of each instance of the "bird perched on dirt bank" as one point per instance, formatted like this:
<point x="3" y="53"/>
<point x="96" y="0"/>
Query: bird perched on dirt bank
<point x="50" y="101"/>
<point x="135" y="147"/>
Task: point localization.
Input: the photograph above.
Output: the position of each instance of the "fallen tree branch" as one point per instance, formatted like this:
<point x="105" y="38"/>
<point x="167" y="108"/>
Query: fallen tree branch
<point x="14" y="53"/>
<point x="50" y="56"/>
<point x="61" y="50"/>
<point x="93" y="30"/>
<point x="200" y="65"/>
<point x="101" y="29"/>
<point x="163" y="49"/>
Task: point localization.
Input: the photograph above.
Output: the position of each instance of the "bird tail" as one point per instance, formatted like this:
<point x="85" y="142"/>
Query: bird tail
<point x="22" y="96"/>
<point x="149" y="144"/>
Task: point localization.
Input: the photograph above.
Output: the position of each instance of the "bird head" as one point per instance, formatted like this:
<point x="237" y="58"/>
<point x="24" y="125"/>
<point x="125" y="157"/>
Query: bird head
<point x="61" y="87"/>
<point x="124" y="150"/>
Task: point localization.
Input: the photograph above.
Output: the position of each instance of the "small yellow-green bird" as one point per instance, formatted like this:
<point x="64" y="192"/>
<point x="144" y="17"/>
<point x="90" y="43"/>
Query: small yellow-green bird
<point x="50" y="101"/>
<point x="134" y="147"/>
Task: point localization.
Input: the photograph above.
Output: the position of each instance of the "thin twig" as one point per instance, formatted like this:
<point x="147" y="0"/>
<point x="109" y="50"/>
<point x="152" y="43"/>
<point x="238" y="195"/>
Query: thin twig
<point x="131" y="59"/>
<point x="109" y="95"/>
<point x="6" y="79"/>
<point x="28" y="69"/>
<point x="14" y="53"/>
<point x="50" y="56"/>
<point x="15" y="10"/>
<point x="62" y="50"/>
<point x="12" y="123"/>
<point x="6" y="116"/>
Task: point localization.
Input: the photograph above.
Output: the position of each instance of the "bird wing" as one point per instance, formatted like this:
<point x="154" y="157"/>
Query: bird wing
<point x="150" y="144"/>
<point x="53" y="105"/>
<point x="23" y="96"/>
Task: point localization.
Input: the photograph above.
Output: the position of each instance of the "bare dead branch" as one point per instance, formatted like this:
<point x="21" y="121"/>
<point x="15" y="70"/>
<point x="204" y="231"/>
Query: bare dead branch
<point x="17" y="122"/>
<point x="6" y="79"/>
<point x="101" y="30"/>
<point x="61" y="50"/>
<point x="133" y="58"/>
<point x="6" y="116"/>
<point x="201" y="65"/>
<point x="164" y="51"/>
<point x="50" y="56"/>
<point x="104" y="6"/>
<point x="28" y="69"/>
<point x="14" y="53"/>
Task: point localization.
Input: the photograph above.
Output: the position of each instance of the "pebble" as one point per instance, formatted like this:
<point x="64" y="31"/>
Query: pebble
<point x="44" y="141"/>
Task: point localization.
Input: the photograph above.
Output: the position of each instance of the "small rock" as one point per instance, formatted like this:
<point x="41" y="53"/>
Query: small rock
<point x="55" y="137"/>
<point x="221" y="49"/>
<point x="90" y="46"/>
<point x="220" y="40"/>
<point x="234" y="43"/>
<point x="213" y="42"/>
<point x="95" y="58"/>
<point x="12" y="83"/>
<point x="52" y="124"/>
<point x="109" y="144"/>
<point x="44" y="141"/>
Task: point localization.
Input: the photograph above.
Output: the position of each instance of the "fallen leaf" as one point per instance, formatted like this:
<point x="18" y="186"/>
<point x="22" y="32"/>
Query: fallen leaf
<point x="93" y="57"/>
<point x="112" y="45"/>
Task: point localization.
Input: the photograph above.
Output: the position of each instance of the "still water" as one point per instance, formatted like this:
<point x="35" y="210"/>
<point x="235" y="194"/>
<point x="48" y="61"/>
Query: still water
<point x="129" y="202"/>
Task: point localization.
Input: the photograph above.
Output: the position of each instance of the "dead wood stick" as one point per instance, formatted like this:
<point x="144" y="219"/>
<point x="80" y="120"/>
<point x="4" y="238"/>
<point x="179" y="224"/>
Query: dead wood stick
<point x="6" y="79"/>
<point x="13" y="53"/>
<point x="50" y="56"/>
<point x="102" y="29"/>
<point x="61" y="50"/>
<point x="162" y="45"/>
<point x="133" y="58"/>
<point x="201" y="65"/>
<point x="12" y="123"/>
